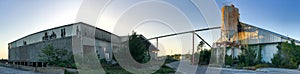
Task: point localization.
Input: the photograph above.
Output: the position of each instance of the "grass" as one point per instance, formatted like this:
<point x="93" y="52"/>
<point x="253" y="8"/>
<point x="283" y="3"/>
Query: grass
<point x="116" y="69"/>
<point x="164" y="69"/>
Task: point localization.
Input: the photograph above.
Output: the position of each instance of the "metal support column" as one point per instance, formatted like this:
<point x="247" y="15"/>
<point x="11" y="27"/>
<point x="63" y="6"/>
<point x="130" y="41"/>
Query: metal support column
<point x="157" y="43"/>
<point x="193" y="48"/>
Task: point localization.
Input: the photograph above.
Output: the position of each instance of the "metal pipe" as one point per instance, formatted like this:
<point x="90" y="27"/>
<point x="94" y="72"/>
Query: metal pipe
<point x="184" y="32"/>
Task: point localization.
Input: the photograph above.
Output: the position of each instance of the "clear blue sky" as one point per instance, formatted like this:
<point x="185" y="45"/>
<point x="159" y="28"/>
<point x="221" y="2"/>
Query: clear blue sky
<point x="19" y="18"/>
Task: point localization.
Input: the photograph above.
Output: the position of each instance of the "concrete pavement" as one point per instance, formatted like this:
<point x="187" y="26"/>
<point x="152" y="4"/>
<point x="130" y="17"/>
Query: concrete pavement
<point x="6" y="70"/>
<point x="185" y="67"/>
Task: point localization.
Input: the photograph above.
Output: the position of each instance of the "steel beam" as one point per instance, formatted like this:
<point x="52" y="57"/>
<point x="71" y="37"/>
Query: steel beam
<point x="203" y="40"/>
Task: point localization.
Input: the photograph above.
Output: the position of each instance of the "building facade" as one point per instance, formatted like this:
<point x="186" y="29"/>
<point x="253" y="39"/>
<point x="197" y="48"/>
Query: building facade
<point x="27" y="50"/>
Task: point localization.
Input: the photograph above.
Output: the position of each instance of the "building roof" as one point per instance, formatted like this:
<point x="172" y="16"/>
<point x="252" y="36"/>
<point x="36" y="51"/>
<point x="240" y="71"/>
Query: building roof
<point x="281" y="36"/>
<point x="61" y="27"/>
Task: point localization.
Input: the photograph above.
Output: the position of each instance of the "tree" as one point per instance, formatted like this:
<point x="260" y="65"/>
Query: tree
<point x="247" y="58"/>
<point x="176" y="56"/>
<point x="138" y="48"/>
<point x="288" y="55"/>
<point x="56" y="57"/>
<point x="203" y="57"/>
<point x="200" y="45"/>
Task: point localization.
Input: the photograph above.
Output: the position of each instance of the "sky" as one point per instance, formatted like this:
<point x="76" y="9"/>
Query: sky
<point x="20" y="18"/>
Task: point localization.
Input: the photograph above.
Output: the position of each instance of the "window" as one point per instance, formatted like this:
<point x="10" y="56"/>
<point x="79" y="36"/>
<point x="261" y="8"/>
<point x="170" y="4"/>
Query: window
<point x="9" y="46"/>
<point x="45" y="37"/>
<point x="53" y="35"/>
<point x="24" y="42"/>
<point x="63" y="32"/>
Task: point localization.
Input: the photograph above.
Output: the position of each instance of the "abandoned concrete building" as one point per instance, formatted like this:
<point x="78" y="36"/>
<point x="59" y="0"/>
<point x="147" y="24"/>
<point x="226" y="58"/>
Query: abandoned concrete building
<point x="236" y="34"/>
<point x="26" y="50"/>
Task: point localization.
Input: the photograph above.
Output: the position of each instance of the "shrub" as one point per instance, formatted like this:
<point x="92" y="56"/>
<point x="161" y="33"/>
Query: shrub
<point x="62" y="64"/>
<point x="228" y="60"/>
<point x="247" y="58"/>
<point x="164" y="70"/>
<point x="203" y="57"/>
<point x="73" y="66"/>
<point x="261" y="66"/>
<point x="241" y="65"/>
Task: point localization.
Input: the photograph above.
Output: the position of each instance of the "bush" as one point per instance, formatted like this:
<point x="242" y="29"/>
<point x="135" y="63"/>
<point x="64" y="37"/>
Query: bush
<point x="241" y="65"/>
<point x="62" y="65"/>
<point x="73" y="66"/>
<point x="164" y="69"/>
<point x="203" y="57"/>
<point x="276" y="60"/>
<point x="228" y="60"/>
<point x="292" y="64"/>
<point x="247" y="58"/>
<point x="262" y="66"/>
<point x="103" y="61"/>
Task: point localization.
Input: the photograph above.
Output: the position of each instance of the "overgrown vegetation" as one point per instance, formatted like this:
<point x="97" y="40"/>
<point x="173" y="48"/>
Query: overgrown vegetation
<point x="57" y="57"/>
<point x="228" y="60"/>
<point x="288" y="55"/>
<point x="248" y="58"/>
<point x="203" y="57"/>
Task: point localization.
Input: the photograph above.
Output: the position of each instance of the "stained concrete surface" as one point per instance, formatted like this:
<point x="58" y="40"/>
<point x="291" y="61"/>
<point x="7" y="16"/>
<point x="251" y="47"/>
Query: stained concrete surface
<point x="6" y="70"/>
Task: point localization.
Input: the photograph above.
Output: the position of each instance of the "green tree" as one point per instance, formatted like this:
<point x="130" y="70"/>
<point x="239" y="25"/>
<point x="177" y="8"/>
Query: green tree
<point x="247" y="58"/>
<point x="56" y="57"/>
<point x="200" y="46"/>
<point x="138" y="48"/>
<point x="206" y="54"/>
<point x="288" y="55"/>
<point x="277" y="60"/>
<point x="203" y="57"/>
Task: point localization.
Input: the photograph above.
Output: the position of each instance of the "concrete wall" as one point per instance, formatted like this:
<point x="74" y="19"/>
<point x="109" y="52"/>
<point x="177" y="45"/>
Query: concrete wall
<point x="236" y="53"/>
<point x="268" y="51"/>
<point x="90" y="35"/>
<point x="31" y="52"/>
